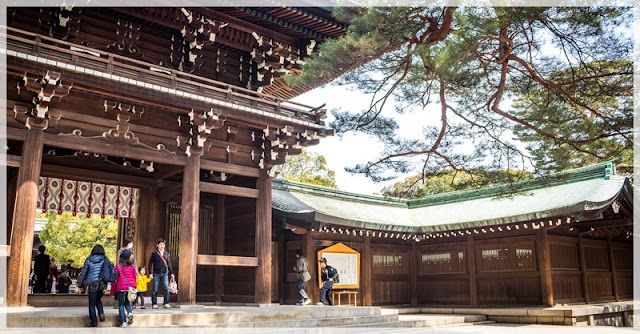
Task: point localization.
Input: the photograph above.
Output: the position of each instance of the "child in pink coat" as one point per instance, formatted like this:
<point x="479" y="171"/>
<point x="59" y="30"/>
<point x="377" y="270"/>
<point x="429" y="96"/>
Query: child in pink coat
<point x="126" y="278"/>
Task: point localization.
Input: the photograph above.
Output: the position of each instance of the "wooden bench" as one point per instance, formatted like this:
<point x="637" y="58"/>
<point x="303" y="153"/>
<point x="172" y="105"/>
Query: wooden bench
<point x="349" y="293"/>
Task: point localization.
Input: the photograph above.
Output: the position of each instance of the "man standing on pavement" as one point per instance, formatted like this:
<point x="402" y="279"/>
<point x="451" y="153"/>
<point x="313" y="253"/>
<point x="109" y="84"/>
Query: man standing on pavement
<point x="160" y="270"/>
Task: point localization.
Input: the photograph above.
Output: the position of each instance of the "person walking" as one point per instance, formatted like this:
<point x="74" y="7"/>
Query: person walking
<point x="41" y="270"/>
<point x="329" y="275"/>
<point x="126" y="279"/>
<point x="90" y="278"/>
<point x="64" y="282"/>
<point x="141" y="283"/>
<point x="160" y="270"/>
<point x="303" y="276"/>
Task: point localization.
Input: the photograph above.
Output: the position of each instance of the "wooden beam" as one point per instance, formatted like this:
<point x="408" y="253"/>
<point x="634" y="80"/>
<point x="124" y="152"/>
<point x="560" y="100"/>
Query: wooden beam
<point x="544" y="261"/>
<point x="79" y="174"/>
<point x="227" y="261"/>
<point x="472" y="270"/>
<point x="169" y="172"/>
<point x="229" y="168"/>
<point x="223" y="189"/>
<point x="113" y="149"/>
<point x="220" y="233"/>
<point x="24" y="216"/>
<point x="263" y="239"/>
<point x="169" y="192"/>
<point x="612" y="267"/>
<point x="15" y="133"/>
<point x="189" y="223"/>
<point x="584" y="226"/>
<point x="583" y="269"/>
<point x="13" y="160"/>
<point x="5" y="251"/>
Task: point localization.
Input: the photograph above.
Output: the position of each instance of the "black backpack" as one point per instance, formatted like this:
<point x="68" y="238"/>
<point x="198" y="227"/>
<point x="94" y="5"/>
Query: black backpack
<point x="109" y="273"/>
<point x="336" y="277"/>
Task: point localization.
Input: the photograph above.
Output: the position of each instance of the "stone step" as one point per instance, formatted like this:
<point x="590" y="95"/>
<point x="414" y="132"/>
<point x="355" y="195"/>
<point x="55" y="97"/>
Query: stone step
<point x="305" y="323"/>
<point x="158" y="318"/>
<point x="428" y="320"/>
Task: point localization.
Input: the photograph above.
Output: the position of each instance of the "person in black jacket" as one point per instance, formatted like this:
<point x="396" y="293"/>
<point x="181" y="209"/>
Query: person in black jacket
<point x="160" y="270"/>
<point x="41" y="270"/>
<point x="64" y="282"/>
<point x="328" y="275"/>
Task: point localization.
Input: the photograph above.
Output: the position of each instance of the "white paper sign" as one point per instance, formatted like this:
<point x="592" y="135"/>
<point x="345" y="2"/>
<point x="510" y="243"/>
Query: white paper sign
<point x="346" y="265"/>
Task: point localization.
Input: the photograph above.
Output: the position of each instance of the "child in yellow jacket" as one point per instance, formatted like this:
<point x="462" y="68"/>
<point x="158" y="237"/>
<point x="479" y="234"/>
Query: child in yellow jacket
<point x="141" y="283"/>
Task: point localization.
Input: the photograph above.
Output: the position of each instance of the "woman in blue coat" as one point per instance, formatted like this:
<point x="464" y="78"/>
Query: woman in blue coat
<point x="91" y="277"/>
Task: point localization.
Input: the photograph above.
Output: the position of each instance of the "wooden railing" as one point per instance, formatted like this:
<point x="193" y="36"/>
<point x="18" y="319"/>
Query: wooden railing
<point x="99" y="60"/>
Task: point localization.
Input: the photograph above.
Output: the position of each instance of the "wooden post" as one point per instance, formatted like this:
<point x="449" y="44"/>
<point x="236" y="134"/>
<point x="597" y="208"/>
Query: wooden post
<point x="220" y="233"/>
<point x="583" y="269"/>
<point x="413" y="272"/>
<point x="614" y="273"/>
<point x="12" y="177"/>
<point x="24" y="217"/>
<point x="189" y="230"/>
<point x="263" y="239"/>
<point x="367" y="272"/>
<point x="544" y="261"/>
<point x="147" y="225"/>
<point x="312" y="265"/>
<point x="472" y="270"/>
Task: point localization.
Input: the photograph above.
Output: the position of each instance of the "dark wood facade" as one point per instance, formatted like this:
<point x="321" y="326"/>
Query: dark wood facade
<point x="537" y="267"/>
<point x="188" y="105"/>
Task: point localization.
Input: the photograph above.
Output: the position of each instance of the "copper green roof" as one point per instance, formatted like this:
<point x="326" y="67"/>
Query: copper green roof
<point x="571" y="193"/>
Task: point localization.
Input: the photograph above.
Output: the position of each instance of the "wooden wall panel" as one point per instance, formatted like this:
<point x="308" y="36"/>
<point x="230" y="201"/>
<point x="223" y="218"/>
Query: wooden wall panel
<point x="567" y="286"/>
<point x="625" y="285"/>
<point x="600" y="285"/>
<point x="390" y="279"/>
<point x="507" y="289"/>
<point x="564" y="256"/>
<point x="443" y="289"/>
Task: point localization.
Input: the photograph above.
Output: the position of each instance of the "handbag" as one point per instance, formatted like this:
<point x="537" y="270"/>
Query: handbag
<point x="132" y="293"/>
<point x="173" y="287"/>
<point x="306" y="276"/>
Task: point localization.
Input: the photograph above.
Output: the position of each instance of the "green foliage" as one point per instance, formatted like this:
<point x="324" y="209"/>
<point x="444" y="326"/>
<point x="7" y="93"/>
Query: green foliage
<point x="72" y="238"/>
<point x="558" y="79"/>
<point x="418" y="186"/>
<point x="308" y="168"/>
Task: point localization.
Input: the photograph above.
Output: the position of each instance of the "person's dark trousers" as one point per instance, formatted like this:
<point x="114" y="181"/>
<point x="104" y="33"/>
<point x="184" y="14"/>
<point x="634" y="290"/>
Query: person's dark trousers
<point x="41" y="286"/>
<point x="164" y="277"/>
<point x="96" y="290"/>
<point x="325" y="293"/>
<point x="141" y="295"/>
<point x="123" y="304"/>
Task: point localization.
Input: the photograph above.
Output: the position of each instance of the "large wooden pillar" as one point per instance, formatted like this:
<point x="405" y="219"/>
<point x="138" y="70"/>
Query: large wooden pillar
<point x="367" y="272"/>
<point x="189" y="230"/>
<point x="148" y="225"/>
<point x="24" y="217"/>
<point x="544" y="261"/>
<point x="220" y="233"/>
<point x="472" y="270"/>
<point x="413" y="272"/>
<point x="263" y="239"/>
<point x="312" y="264"/>
<point x="583" y="269"/>
<point x="614" y="272"/>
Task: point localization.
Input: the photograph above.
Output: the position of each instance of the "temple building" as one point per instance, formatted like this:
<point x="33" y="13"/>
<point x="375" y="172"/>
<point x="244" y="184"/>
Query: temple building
<point x="172" y="119"/>
<point x="563" y="238"/>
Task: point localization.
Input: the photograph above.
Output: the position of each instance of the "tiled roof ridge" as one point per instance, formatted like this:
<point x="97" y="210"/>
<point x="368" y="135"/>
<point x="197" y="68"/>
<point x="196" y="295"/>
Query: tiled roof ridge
<point x="599" y="170"/>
